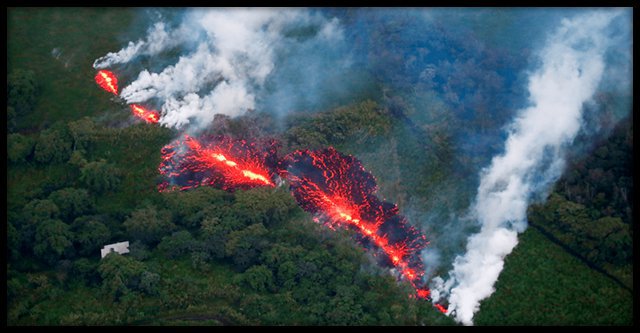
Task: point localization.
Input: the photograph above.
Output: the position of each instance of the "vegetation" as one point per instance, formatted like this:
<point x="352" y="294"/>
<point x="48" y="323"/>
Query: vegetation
<point x="590" y="210"/>
<point x="544" y="285"/>
<point x="78" y="180"/>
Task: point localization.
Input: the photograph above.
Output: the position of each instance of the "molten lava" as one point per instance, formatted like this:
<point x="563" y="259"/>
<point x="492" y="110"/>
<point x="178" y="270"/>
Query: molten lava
<point x="215" y="161"/>
<point x="144" y="114"/>
<point x="334" y="187"/>
<point x="338" y="190"/>
<point x="441" y="308"/>
<point x="108" y="81"/>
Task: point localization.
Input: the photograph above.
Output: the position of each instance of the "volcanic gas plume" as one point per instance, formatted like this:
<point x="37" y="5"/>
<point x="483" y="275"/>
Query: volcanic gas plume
<point x="572" y="65"/>
<point x="219" y="161"/>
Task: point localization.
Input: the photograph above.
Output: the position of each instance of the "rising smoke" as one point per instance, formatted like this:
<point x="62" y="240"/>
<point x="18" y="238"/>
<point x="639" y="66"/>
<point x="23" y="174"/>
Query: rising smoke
<point x="228" y="54"/>
<point x="572" y="64"/>
<point x="158" y="40"/>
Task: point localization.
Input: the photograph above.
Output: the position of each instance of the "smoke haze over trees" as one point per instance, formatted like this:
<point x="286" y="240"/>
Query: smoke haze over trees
<point x="433" y="102"/>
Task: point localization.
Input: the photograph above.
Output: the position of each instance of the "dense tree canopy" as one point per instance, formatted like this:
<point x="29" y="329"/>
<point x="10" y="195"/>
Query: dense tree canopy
<point x="72" y="202"/>
<point x="120" y="275"/>
<point x="149" y="224"/>
<point x="100" y="176"/>
<point x="22" y="90"/>
<point x="53" y="238"/>
<point x="19" y="147"/>
<point x="90" y="235"/>
<point x="54" y="145"/>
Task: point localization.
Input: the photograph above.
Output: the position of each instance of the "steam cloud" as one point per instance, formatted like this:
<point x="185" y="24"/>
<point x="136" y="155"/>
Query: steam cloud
<point x="231" y="54"/>
<point x="571" y="68"/>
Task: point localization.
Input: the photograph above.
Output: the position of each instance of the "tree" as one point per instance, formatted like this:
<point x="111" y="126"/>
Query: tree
<point x="90" y="235"/>
<point x="199" y="260"/>
<point x="179" y="243"/>
<point x="86" y="270"/>
<point x="53" y="239"/>
<point x="139" y="250"/>
<point x="19" y="147"/>
<point x="13" y="240"/>
<point x="53" y="145"/>
<point x="22" y="90"/>
<point x="33" y="214"/>
<point x="214" y="232"/>
<point x="83" y="132"/>
<point x="77" y="159"/>
<point x="100" y="176"/>
<point x="344" y="308"/>
<point x="72" y="202"/>
<point x="11" y="119"/>
<point x="264" y="205"/>
<point x="149" y="282"/>
<point x="120" y="274"/>
<point x="258" y="278"/>
<point x="280" y="253"/>
<point x="286" y="276"/>
<point x="149" y="224"/>
<point x="244" y="246"/>
<point x="615" y="244"/>
<point x="190" y="208"/>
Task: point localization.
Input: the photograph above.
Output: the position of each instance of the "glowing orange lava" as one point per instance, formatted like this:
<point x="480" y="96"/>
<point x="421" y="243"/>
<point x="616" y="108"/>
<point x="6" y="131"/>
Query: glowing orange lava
<point x="441" y="308"/>
<point x="335" y="188"/>
<point x="107" y="81"/>
<point x="221" y="162"/>
<point x="339" y="192"/>
<point x="396" y="252"/>
<point x="144" y="114"/>
<point x="423" y="293"/>
<point x="217" y="159"/>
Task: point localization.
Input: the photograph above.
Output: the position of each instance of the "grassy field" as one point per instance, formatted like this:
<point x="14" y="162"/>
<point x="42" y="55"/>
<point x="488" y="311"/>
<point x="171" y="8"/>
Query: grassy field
<point x="541" y="284"/>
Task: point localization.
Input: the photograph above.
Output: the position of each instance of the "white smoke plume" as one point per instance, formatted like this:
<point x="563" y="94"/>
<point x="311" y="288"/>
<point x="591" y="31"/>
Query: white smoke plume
<point x="158" y="40"/>
<point x="233" y="52"/>
<point x="571" y="68"/>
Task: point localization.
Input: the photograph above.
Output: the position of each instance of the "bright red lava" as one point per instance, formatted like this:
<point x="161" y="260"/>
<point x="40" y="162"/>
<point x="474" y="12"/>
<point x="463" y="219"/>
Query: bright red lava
<point x="334" y="187"/>
<point x="214" y="161"/>
<point x="441" y="308"/>
<point x="340" y="191"/>
<point x="107" y="81"/>
<point x="144" y="114"/>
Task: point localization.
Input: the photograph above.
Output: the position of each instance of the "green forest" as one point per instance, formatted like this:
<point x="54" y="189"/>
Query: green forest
<point x="82" y="173"/>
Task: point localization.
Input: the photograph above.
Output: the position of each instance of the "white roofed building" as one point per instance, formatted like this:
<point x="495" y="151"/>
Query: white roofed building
<point x="122" y="248"/>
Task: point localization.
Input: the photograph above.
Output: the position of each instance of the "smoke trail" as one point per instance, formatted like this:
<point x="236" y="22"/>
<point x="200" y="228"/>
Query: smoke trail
<point x="227" y="56"/>
<point x="571" y="68"/>
<point x="158" y="40"/>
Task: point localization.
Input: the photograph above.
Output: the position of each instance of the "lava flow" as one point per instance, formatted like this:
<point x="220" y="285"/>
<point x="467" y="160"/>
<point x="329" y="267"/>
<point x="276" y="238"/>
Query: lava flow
<point x="441" y="308"/>
<point x="334" y="187"/>
<point x="144" y="114"/>
<point x="220" y="161"/>
<point x="340" y="191"/>
<point x="108" y="81"/>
